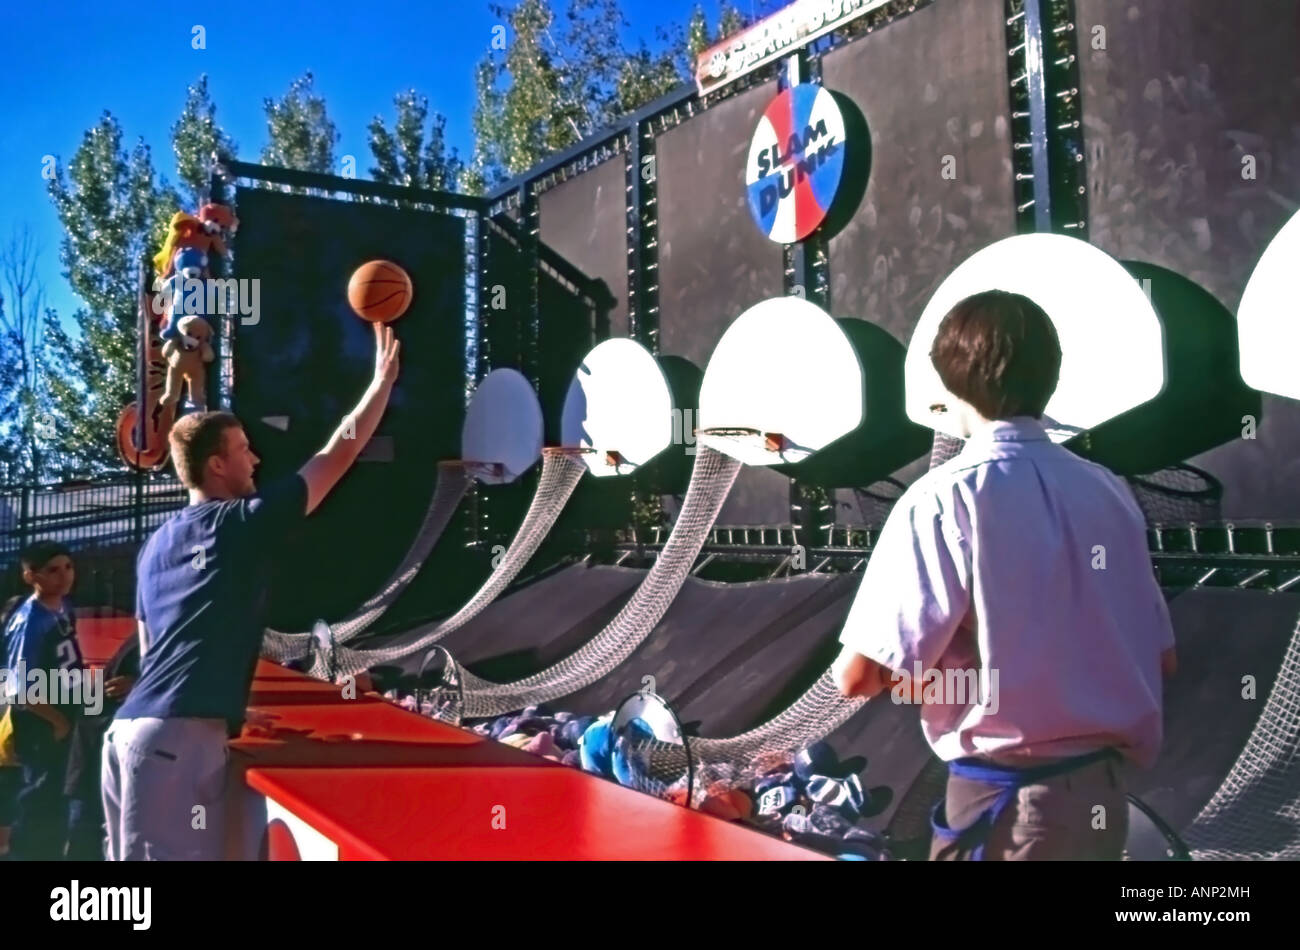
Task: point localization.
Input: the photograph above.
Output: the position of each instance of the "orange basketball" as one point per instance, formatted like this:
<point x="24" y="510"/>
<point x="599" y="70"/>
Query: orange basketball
<point x="379" y="291"/>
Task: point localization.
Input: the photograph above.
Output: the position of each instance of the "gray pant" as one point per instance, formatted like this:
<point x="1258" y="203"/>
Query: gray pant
<point x="1079" y="816"/>
<point x="164" y="788"/>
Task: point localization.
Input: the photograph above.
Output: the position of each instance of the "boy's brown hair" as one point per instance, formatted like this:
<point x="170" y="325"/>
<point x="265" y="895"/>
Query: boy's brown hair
<point x="195" y="439"/>
<point x="40" y="553"/>
<point x="999" y="352"/>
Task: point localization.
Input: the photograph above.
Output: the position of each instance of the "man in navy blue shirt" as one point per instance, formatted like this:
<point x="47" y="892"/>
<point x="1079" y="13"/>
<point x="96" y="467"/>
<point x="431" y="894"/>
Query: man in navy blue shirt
<point x="202" y="586"/>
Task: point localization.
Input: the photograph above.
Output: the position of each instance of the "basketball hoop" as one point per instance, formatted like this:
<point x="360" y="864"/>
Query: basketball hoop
<point x="483" y="471"/>
<point x="588" y="455"/>
<point x="573" y="451"/>
<point x="719" y="437"/>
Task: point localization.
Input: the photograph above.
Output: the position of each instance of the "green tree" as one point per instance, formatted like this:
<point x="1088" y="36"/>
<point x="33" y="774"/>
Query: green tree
<point x="552" y="87"/>
<point x="406" y="156"/>
<point x="113" y="210"/>
<point x="196" y="137"/>
<point x="644" y="77"/>
<point x="299" y="130"/>
<point x="731" y="21"/>
<point x="697" y="40"/>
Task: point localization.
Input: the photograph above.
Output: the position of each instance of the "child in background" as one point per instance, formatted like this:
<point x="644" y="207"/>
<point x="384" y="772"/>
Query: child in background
<point x="11" y="776"/>
<point x="41" y="636"/>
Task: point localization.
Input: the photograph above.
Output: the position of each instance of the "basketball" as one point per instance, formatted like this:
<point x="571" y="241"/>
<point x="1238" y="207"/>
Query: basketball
<point x="379" y="291"/>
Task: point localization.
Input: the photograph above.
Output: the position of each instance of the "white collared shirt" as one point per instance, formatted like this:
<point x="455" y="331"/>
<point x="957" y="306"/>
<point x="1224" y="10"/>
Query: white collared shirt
<point x="1021" y="561"/>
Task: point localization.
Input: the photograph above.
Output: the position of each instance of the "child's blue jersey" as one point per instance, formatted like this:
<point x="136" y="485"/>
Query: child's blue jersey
<point x="38" y="638"/>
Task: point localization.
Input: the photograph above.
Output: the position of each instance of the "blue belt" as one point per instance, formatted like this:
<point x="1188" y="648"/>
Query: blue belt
<point x="1010" y="779"/>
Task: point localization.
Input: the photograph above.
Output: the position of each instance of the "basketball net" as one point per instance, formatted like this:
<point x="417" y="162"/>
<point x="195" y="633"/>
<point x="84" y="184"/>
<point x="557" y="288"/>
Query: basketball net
<point x="453" y="481"/>
<point x="562" y="469"/>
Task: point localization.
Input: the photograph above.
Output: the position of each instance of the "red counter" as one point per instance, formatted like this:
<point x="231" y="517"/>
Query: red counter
<point x="362" y="779"/>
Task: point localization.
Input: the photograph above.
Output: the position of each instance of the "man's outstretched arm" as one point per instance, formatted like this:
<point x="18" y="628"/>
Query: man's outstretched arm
<point x="324" y="469"/>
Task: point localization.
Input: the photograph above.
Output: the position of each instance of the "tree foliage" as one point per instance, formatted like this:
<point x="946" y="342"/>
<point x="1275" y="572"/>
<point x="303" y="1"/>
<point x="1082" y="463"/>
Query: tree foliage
<point x="555" y="84"/>
<point x="300" y="134"/>
<point x="406" y="155"/>
<point x="196" y="138"/>
<point x="113" y="210"/>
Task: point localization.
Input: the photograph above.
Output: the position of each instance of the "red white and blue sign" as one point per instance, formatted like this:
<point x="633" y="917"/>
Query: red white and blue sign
<point x="796" y="161"/>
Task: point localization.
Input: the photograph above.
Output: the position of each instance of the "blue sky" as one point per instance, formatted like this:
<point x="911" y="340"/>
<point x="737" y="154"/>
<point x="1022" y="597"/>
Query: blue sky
<point x="62" y="69"/>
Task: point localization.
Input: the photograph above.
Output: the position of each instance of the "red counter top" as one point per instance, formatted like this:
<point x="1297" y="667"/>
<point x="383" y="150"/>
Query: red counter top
<point x="486" y="813"/>
<point x="386" y="783"/>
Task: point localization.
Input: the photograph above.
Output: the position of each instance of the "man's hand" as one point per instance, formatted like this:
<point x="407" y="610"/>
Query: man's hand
<point x="857" y="676"/>
<point x="259" y="724"/>
<point x="387" y="347"/>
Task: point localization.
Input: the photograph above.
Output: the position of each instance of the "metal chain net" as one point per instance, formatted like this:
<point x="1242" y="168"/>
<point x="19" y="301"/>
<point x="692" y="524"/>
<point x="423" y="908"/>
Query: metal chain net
<point x="711" y="480"/>
<point x="452" y="483"/>
<point x="812" y="717"/>
<point x="945" y="447"/>
<point x="560" y="475"/>
<point x="1177" y="495"/>
<point x="1255" y="814"/>
<point x="739" y="759"/>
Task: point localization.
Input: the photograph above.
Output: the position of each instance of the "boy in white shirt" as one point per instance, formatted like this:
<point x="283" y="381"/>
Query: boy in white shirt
<point x="1011" y="592"/>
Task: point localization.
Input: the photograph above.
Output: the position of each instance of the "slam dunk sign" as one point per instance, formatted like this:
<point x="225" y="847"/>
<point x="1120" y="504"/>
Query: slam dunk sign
<point x="796" y="161"/>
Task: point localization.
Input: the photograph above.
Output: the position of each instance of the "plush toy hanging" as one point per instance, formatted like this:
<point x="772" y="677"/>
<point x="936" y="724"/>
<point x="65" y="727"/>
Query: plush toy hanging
<point x="185" y="290"/>
<point x="206" y="232"/>
<point x="178" y="348"/>
<point x="185" y="257"/>
<point x="187" y="358"/>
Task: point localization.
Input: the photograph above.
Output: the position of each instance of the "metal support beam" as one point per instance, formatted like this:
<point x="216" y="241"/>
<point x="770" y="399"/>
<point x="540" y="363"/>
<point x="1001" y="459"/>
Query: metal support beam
<point x="529" y="228"/>
<point x="1035" y="72"/>
<point x="641" y="182"/>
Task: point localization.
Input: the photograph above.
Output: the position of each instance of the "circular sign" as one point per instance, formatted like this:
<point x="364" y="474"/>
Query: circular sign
<point x="796" y="161"/>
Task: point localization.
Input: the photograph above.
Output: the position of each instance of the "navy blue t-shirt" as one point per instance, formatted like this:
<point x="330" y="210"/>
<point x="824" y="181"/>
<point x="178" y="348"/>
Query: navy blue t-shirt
<point x="202" y="583"/>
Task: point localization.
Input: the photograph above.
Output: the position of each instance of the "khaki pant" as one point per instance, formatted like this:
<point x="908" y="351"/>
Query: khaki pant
<point x="163" y="788"/>
<point x="1079" y="816"/>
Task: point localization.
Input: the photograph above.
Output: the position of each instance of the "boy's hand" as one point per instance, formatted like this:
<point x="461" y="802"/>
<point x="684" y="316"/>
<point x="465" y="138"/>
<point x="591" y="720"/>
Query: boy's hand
<point x="387" y="347"/>
<point x="858" y="676"/>
<point x="118" y="686"/>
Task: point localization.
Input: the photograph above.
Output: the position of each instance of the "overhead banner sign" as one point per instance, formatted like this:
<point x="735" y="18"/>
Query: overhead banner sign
<point x="773" y="37"/>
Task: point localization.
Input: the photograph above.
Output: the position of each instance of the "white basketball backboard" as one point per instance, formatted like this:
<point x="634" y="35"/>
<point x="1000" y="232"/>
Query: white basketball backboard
<point x="785" y="370"/>
<point x="619" y="405"/>
<point x="1112" y="343"/>
<point x="503" y="427"/>
<point x="1268" y="320"/>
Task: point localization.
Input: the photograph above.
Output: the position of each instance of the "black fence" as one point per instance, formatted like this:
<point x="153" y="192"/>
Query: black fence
<point x="101" y="521"/>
